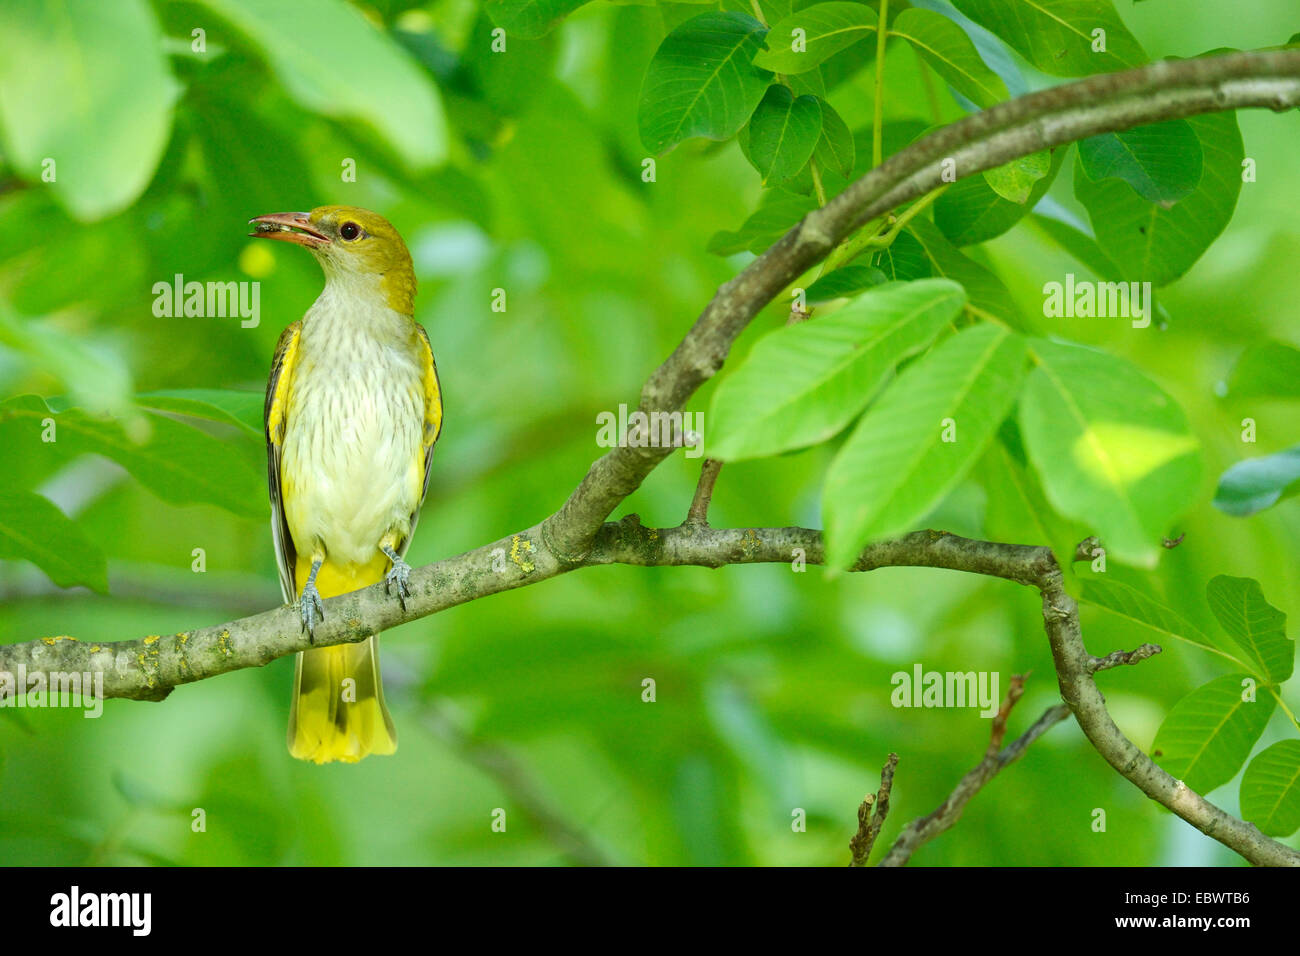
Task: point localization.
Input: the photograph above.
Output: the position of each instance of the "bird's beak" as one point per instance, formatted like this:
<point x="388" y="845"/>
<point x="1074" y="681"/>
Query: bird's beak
<point x="291" y="227"/>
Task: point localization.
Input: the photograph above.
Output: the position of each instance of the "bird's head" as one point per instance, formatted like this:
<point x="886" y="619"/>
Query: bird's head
<point x="355" y="247"/>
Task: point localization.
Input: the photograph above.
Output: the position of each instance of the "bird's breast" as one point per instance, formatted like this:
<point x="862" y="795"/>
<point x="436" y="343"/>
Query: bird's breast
<point x="353" y="460"/>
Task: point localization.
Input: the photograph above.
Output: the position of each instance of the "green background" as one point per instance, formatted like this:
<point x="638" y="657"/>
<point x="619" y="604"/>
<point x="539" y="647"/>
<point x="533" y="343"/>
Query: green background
<point x="772" y="687"/>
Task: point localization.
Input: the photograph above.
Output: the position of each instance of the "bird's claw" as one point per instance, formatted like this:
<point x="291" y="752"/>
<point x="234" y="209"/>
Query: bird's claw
<point x="399" y="575"/>
<point x="312" y="610"/>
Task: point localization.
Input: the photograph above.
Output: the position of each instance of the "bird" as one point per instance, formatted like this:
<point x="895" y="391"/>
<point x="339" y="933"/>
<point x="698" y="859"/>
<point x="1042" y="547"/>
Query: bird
<point x="353" y="411"/>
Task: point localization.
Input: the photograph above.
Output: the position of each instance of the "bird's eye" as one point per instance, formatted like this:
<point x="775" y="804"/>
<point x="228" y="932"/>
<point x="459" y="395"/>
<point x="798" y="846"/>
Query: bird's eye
<point x="350" y="231"/>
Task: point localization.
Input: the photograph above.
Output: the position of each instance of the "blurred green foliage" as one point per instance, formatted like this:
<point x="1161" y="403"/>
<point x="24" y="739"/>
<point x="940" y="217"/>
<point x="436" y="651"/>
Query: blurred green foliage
<point x="522" y="171"/>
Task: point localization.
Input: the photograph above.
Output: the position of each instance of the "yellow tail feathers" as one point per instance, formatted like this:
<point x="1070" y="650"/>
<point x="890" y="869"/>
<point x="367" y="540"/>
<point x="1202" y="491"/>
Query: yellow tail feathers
<point x="338" y="710"/>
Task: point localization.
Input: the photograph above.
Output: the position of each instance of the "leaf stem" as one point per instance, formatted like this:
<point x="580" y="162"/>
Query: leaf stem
<point x="877" y="121"/>
<point x="866" y="239"/>
<point x="817" y="181"/>
<point x="1285" y="709"/>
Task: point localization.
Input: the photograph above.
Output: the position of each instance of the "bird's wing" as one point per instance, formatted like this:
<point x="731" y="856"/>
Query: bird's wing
<point x="432" y="422"/>
<point x="277" y="408"/>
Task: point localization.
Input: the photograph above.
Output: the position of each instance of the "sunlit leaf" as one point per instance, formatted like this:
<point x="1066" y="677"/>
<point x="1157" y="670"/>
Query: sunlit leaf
<point x="1017" y="180"/>
<point x="1111" y="447"/>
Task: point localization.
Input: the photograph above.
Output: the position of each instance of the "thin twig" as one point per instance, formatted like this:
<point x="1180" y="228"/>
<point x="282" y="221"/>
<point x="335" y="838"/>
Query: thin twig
<point x="699" y="510"/>
<point x="871" y="815"/>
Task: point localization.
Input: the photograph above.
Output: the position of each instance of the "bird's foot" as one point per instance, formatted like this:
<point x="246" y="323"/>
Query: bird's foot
<point x="311" y="609"/>
<point x="398" y="576"/>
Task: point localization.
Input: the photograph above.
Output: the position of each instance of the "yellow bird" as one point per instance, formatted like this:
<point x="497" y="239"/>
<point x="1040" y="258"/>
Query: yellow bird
<point x="353" y="410"/>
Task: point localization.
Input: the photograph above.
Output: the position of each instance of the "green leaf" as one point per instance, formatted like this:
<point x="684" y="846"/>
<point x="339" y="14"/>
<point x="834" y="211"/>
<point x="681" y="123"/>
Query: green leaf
<point x="1057" y="36"/>
<point x="844" y="282"/>
<point x="1077" y="243"/>
<point x="701" y="81"/>
<point x="333" y="61"/>
<point x="896" y="467"/>
<point x="211" y="404"/>
<point x="773" y="219"/>
<point x="946" y="47"/>
<point x="835" y="149"/>
<point x="1151" y="242"/>
<point x="1257" y="626"/>
<point x="1208" y="734"/>
<point x="178" y="463"/>
<point x="804" y="39"/>
<point x="1017" y="180"/>
<point x="1016" y="508"/>
<point x="979" y="208"/>
<point x="905" y="259"/>
<point x="1162" y="162"/>
<point x="1270" y="789"/>
<point x="803" y="383"/>
<point x="1266" y="370"/>
<point x="783" y="133"/>
<point x="1110" y="446"/>
<point x="85" y="364"/>
<point x="84" y="84"/>
<point x="530" y="18"/>
<point x="1131" y="604"/>
<point x="986" y="291"/>
<point x="1258" y="483"/>
<point x="33" y="529"/>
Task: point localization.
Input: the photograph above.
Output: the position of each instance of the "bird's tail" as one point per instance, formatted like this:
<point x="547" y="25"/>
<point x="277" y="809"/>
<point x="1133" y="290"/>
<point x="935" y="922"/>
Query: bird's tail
<point x="338" y="710"/>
